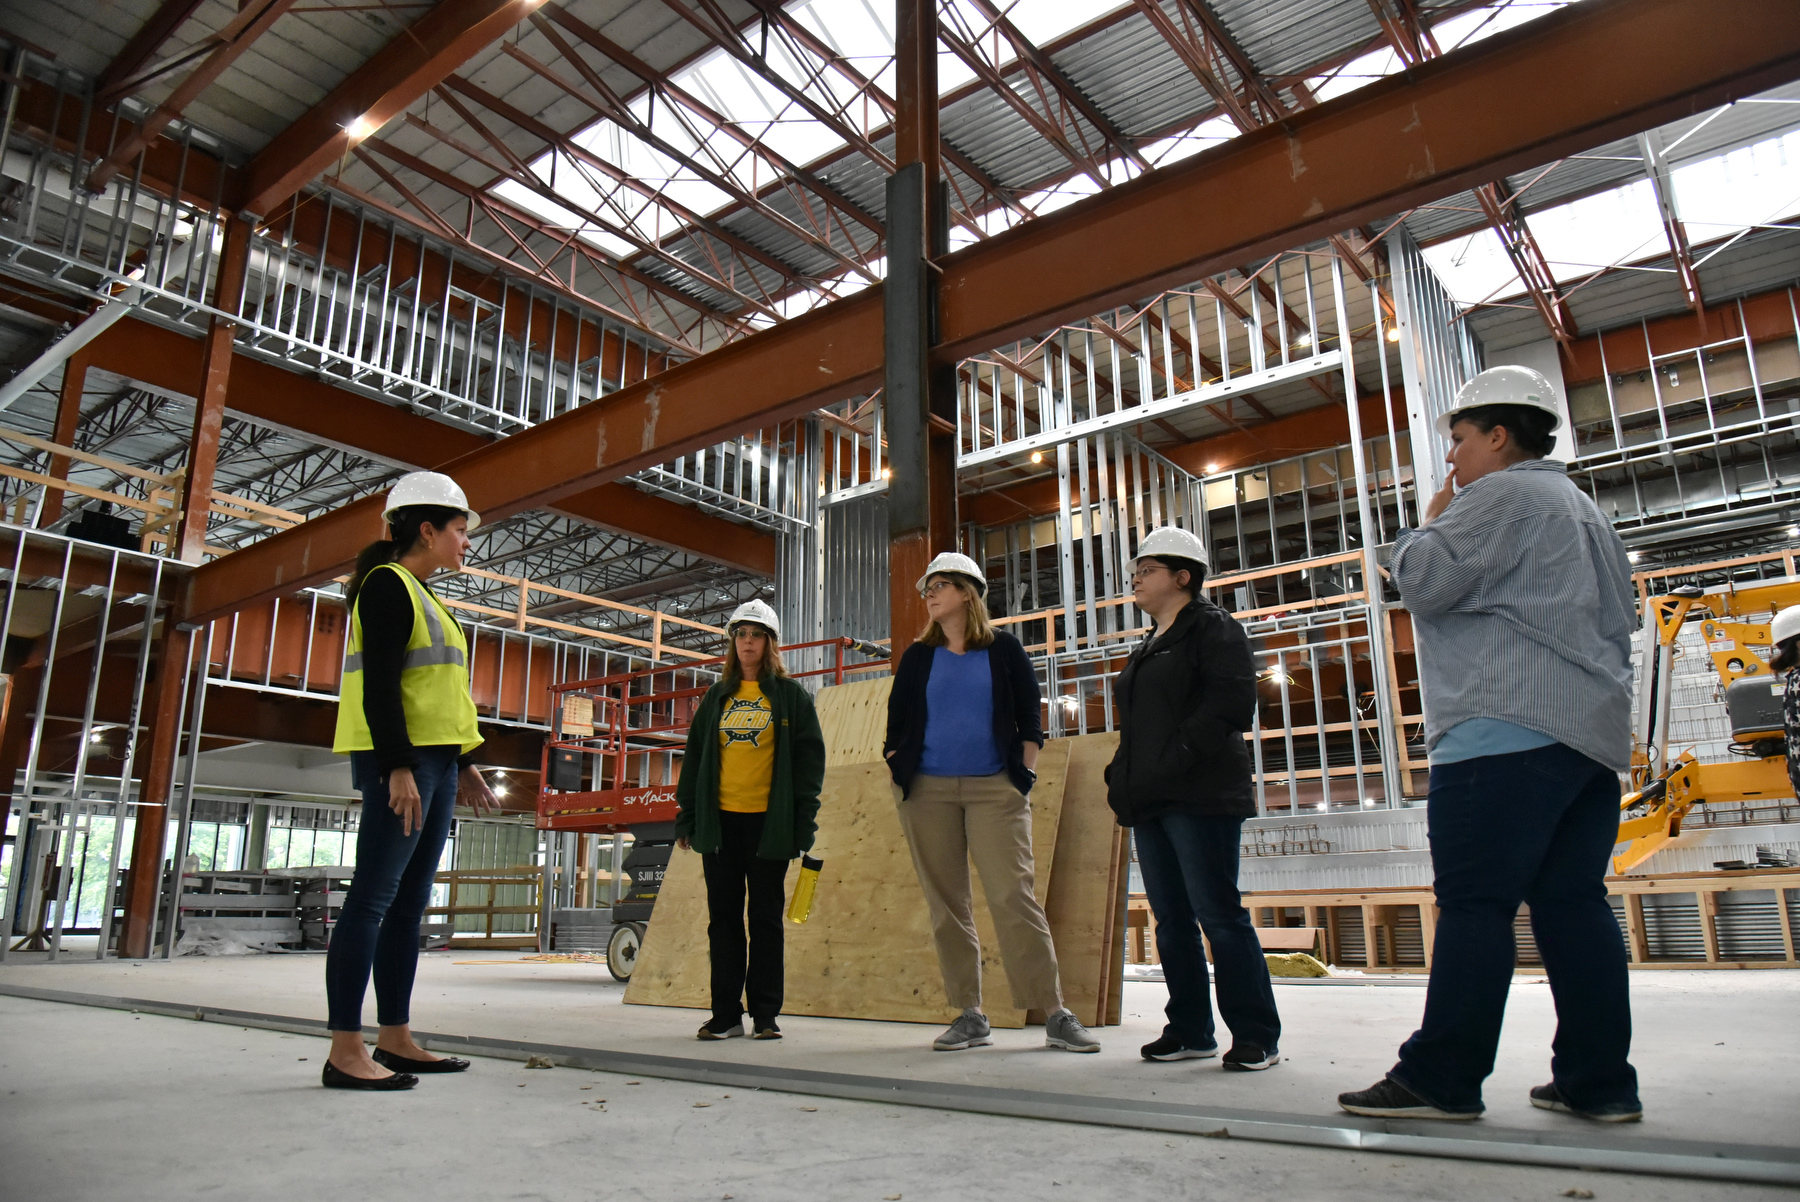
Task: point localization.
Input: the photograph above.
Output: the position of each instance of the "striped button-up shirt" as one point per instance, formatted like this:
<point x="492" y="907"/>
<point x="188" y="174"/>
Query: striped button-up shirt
<point x="1523" y="609"/>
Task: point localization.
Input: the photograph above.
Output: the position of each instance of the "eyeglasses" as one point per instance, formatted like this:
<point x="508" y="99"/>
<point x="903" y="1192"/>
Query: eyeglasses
<point x="1146" y="570"/>
<point x="935" y="587"/>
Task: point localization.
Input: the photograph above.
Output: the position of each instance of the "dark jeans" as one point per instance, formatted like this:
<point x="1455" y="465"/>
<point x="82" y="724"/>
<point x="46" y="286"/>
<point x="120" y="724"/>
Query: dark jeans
<point x="379" y="925"/>
<point x="1536" y="827"/>
<point x="744" y="969"/>
<point x="1190" y="867"/>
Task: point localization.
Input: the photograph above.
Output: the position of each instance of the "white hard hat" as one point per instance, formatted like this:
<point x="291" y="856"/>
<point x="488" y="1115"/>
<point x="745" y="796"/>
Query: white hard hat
<point x="1507" y="385"/>
<point x="949" y="563"/>
<point x="754" y="611"/>
<point x="428" y="488"/>
<point x="1173" y="542"/>
<point x="1785" y="626"/>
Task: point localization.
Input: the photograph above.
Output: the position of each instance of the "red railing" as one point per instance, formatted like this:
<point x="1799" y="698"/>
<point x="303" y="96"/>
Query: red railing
<point x="648" y="725"/>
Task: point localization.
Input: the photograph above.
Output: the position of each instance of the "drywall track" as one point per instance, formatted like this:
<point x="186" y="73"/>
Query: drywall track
<point x="1578" y="1148"/>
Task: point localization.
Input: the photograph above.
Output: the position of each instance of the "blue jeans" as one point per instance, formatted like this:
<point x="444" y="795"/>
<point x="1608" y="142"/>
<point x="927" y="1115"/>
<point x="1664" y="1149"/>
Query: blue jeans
<point x="1190" y="867"/>
<point x="378" y="927"/>
<point x="1536" y="827"/>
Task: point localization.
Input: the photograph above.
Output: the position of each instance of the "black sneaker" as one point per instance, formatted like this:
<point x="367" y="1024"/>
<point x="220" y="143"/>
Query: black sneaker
<point x="1548" y="1097"/>
<point x="1170" y="1048"/>
<point x="1250" y="1058"/>
<point x="1388" y="1099"/>
<point x="712" y="1028"/>
<point x="765" y="1029"/>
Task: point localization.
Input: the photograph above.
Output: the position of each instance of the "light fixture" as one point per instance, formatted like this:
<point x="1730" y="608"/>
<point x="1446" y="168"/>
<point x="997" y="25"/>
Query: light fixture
<point x="1393" y="334"/>
<point x="1633" y="556"/>
<point x="885" y="473"/>
<point x="361" y="128"/>
<point x="1037" y="456"/>
<point x="1303" y="340"/>
<point x="96" y="737"/>
<point x="1211" y="468"/>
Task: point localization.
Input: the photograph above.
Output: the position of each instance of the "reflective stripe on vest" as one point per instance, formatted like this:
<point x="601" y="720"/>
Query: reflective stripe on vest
<point x="434" y="679"/>
<point x="440" y="651"/>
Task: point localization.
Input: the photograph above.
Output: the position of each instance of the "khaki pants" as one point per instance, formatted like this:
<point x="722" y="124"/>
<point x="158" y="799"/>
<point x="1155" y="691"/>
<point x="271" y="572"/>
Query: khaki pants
<point x="948" y="820"/>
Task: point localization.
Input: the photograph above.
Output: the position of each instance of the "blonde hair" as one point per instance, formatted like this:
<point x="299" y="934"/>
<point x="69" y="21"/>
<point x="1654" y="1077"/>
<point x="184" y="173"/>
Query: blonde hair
<point x="772" y="666"/>
<point x="980" y="630"/>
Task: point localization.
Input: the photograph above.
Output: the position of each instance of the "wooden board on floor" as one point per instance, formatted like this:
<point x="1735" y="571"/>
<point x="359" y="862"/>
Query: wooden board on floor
<point x="853" y="718"/>
<point x="867" y="952"/>
<point x="1082" y="881"/>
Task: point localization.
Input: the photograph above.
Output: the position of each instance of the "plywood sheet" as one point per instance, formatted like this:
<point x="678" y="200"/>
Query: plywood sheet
<point x="1083" y="880"/>
<point x="853" y="718"/>
<point x="867" y="953"/>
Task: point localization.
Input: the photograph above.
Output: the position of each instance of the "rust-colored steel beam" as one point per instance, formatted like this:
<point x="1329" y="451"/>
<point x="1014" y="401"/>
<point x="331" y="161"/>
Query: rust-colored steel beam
<point x="1528" y="261"/>
<point x="313" y="409"/>
<point x="162" y="716"/>
<point x="1596" y="71"/>
<point x="122" y="75"/>
<point x="209" y="397"/>
<point x="68" y="418"/>
<point x="704" y="161"/>
<point x="417" y="59"/>
<point x="253" y="20"/>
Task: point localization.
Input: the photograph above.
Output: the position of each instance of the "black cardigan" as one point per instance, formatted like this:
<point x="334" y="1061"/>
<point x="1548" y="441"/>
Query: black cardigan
<point x="1016" y="705"/>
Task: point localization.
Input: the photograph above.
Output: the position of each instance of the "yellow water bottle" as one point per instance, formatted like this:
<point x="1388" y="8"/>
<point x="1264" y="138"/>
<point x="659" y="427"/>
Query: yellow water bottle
<point x="800" y="908"/>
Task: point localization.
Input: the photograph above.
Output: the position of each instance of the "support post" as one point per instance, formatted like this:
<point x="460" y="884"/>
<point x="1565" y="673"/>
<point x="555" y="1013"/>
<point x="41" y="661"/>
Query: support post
<point x="209" y="397"/>
<point x="919" y="387"/>
<point x="151" y="832"/>
<point x="68" y="419"/>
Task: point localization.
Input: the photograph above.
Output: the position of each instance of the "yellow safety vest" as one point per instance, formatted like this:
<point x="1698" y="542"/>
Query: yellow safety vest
<point x="434" y="680"/>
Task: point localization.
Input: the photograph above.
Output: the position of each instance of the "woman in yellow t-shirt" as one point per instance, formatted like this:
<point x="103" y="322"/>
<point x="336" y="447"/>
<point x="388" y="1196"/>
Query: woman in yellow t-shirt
<point x="749" y="800"/>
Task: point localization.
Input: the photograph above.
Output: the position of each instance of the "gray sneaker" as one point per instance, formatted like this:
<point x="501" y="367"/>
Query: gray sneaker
<point x="1063" y="1030"/>
<point x="970" y="1030"/>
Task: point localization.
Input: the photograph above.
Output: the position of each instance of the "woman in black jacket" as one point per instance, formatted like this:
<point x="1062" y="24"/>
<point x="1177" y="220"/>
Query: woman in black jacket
<point x="1181" y="781"/>
<point x="963" y="733"/>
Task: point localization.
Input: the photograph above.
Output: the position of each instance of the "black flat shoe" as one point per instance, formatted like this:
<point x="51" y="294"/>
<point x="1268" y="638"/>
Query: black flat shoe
<point x="400" y="1064"/>
<point x="336" y="1078"/>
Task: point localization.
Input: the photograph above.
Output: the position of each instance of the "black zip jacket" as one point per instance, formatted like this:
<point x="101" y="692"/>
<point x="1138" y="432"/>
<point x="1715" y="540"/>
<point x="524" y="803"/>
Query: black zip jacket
<point x="1185" y="700"/>
<point x="1016" y="709"/>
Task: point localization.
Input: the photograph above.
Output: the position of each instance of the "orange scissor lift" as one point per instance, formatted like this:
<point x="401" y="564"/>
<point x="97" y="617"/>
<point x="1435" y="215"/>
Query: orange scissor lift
<point x="613" y="759"/>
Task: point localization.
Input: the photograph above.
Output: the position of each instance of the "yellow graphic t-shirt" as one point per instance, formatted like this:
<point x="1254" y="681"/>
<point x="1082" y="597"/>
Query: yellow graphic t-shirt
<point x="746" y="751"/>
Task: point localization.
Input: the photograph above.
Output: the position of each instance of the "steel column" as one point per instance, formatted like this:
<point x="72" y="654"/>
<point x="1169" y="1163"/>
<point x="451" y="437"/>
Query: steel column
<point x="919" y="390"/>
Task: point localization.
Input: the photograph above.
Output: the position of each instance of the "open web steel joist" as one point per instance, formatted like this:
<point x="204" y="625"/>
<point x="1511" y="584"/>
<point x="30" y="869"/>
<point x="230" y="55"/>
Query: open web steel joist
<point x="1573" y="79"/>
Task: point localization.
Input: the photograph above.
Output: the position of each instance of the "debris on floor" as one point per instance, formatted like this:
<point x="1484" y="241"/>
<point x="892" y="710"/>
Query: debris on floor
<point x="540" y="1062"/>
<point x="1294" y="964"/>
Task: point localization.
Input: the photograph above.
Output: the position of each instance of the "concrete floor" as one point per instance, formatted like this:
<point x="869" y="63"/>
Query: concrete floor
<point x="67" y="1068"/>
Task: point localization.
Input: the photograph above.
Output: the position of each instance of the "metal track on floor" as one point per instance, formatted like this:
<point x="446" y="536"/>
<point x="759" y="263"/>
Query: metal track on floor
<point x="1580" y="1147"/>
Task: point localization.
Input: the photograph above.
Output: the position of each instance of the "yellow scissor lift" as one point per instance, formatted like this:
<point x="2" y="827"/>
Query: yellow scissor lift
<point x="1740" y="650"/>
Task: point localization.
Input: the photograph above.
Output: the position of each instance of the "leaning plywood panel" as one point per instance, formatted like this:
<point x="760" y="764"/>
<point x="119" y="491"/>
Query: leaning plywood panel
<point x="867" y="953"/>
<point x="853" y="719"/>
<point x="673" y="968"/>
<point x="1083" y="878"/>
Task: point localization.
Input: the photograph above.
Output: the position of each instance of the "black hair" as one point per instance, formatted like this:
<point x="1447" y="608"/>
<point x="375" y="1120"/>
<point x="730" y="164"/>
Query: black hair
<point x="1533" y="429"/>
<point x="403" y="536"/>
<point x="1787" y="655"/>
<point x="1193" y="567"/>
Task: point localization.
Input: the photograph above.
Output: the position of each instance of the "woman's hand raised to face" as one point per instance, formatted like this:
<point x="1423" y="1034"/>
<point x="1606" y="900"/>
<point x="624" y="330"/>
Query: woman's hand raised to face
<point x="1440" y="501"/>
<point x="472" y="791"/>
<point x="403" y="799"/>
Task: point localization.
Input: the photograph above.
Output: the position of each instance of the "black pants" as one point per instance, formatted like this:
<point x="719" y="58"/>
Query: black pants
<point x="746" y="973"/>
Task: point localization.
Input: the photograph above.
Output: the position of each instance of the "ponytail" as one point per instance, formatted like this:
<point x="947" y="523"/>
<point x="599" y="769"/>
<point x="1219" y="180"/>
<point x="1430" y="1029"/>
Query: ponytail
<point x="403" y="535"/>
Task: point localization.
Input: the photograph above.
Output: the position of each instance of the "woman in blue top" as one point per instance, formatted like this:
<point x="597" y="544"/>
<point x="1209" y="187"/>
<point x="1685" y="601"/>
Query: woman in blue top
<point x="963" y="733"/>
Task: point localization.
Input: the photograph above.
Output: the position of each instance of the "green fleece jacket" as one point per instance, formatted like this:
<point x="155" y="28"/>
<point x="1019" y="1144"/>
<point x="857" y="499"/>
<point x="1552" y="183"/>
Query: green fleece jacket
<point x="793" y="792"/>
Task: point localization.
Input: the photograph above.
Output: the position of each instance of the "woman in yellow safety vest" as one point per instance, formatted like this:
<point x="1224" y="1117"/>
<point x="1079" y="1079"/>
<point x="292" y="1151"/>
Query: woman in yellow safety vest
<point x="407" y="722"/>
